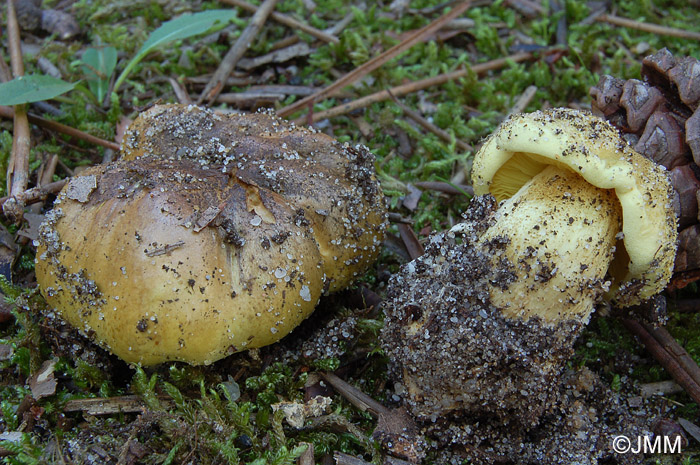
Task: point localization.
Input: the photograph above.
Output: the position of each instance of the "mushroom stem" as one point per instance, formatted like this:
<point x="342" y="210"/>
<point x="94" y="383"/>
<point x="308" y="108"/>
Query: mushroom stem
<point x="560" y="230"/>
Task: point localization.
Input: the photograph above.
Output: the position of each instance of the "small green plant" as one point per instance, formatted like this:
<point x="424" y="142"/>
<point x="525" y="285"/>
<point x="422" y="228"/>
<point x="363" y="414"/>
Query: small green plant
<point x="182" y="27"/>
<point x="32" y="88"/>
<point x="98" y="66"/>
<point x="99" y="63"/>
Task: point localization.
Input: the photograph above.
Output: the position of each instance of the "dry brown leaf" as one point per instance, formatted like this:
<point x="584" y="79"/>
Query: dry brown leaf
<point x="42" y="383"/>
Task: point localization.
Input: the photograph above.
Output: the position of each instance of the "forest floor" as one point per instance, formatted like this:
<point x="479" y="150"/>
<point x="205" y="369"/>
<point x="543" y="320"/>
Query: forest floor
<point x="450" y="89"/>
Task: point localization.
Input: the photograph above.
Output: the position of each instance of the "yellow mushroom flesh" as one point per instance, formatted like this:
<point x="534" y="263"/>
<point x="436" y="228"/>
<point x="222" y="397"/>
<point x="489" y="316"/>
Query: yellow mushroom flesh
<point x="560" y="237"/>
<point x="482" y="324"/>
<point x="625" y="236"/>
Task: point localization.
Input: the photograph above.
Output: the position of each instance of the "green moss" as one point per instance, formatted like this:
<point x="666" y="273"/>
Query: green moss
<point x="233" y="421"/>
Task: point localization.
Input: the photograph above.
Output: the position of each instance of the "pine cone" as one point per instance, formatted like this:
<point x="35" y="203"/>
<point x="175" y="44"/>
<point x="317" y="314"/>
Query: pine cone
<point x="660" y="117"/>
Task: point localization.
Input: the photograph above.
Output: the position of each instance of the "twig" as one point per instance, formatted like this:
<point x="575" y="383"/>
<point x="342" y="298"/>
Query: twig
<point x="444" y="187"/>
<point x="180" y="92"/>
<point x="398" y="218"/>
<point x="14" y="42"/>
<point x="660" y="388"/>
<point x="523" y="101"/>
<point x="8" y="112"/>
<point x="561" y="33"/>
<point x="687" y="305"/>
<point x="664" y="358"/>
<point x="414" y="87"/>
<point x="18" y="165"/>
<point x="248" y="99"/>
<point x="389" y="460"/>
<point x="36" y="194"/>
<point x="353" y="395"/>
<point x="648" y="27"/>
<point x="346" y="459"/>
<point x="528" y="8"/>
<point x="5" y="73"/>
<point x="49" y="169"/>
<point x="239" y="81"/>
<point x="428" y="126"/>
<point x="376" y="62"/>
<point x="44" y="177"/>
<point x="216" y="84"/>
<point x="166" y="249"/>
<point x="109" y="405"/>
<point x="287" y="21"/>
<point x="18" y="169"/>
<point x="679" y="354"/>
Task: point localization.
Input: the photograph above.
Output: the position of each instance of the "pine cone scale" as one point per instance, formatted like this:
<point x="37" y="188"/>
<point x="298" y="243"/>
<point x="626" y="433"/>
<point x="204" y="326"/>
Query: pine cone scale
<point x="660" y="117"/>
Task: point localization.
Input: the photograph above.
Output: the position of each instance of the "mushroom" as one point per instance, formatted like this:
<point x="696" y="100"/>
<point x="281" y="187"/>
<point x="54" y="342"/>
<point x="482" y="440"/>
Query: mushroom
<point x="481" y="325"/>
<point x="212" y="234"/>
<point x="578" y="204"/>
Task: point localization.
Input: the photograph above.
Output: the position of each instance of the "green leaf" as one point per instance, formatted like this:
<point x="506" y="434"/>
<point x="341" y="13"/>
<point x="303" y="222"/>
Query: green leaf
<point x="32" y="88"/>
<point x="182" y="27"/>
<point x="185" y="26"/>
<point x="98" y="66"/>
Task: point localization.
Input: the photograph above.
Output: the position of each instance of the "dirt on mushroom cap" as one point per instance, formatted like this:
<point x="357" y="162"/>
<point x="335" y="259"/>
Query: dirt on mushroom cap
<point x="213" y="234"/>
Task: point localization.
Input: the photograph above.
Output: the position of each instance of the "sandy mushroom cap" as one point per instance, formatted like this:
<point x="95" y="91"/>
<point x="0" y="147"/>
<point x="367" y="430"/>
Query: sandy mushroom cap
<point x="575" y="140"/>
<point x="217" y="243"/>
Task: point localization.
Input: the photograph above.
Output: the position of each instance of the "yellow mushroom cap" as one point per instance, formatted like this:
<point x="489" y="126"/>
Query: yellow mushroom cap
<point x="213" y="234"/>
<point x="578" y="141"/>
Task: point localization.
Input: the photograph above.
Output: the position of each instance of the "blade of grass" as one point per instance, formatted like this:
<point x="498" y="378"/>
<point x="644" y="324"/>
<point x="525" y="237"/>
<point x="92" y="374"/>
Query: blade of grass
<point x="182" y="27"/>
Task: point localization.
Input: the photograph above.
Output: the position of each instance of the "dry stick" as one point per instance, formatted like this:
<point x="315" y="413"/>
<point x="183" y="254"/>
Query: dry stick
<point x="216" y="84"/>
<point x="5" y="73"/>
<point x="523" y="101"/>
<point x="14" y="42"/>
<point x="687" y="305"/>
<point x="18" y="165"/>
<point x="678" y="353"/>
<point x="353" y="395"/>
<point x="428" y="126"/>
<point x="664" y="358"/>
<point x="8" y="112"/>
<point x="287" y="21"/>
<point x="414" y="87"/>
<point x="662" y="388"/>
<point x="524" y="6"/>
<point x="376" y="62"/>
<point x="444" y="187"/>
<point x="44" y="177"/>
<point x="341" y="458"/>
<point x="180" y="92"/>
<point x="561" y="23"/>
<point x="48" y="171"/>
<point x="110" y="405"/>
<point x="648" y="27"/>
<point x="36" y="194"/>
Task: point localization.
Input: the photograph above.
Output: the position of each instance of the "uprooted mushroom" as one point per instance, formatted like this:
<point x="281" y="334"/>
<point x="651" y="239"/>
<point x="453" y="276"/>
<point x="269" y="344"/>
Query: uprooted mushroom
<point x="212" y="234"/>
<point x="482" y="324"/>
